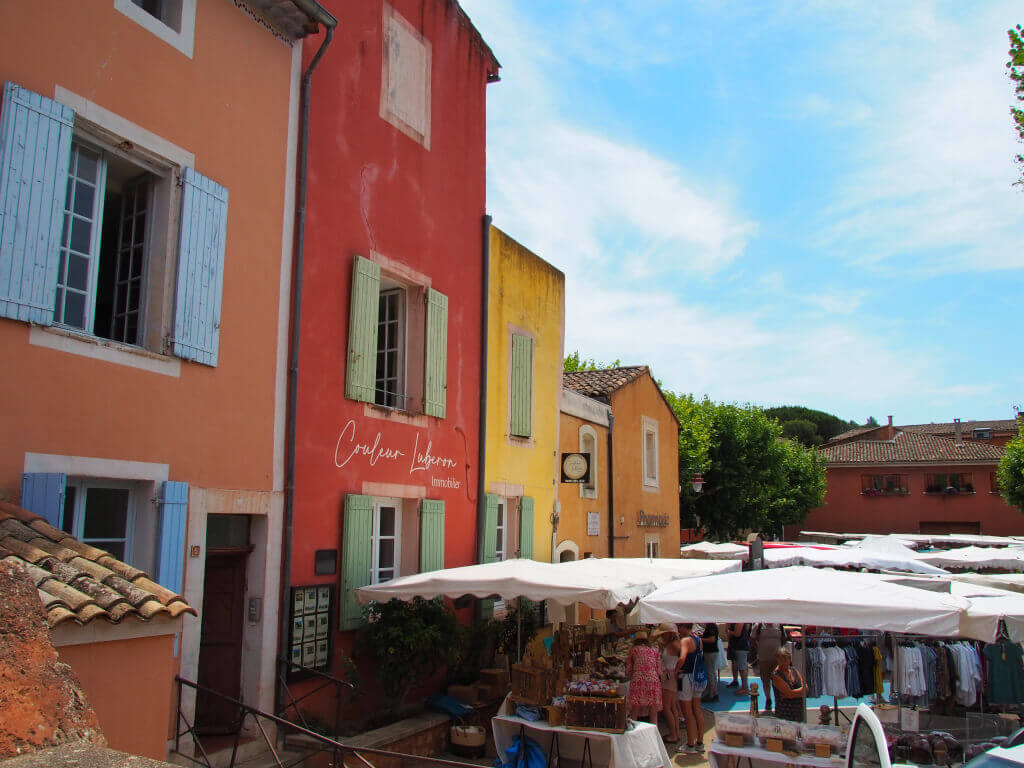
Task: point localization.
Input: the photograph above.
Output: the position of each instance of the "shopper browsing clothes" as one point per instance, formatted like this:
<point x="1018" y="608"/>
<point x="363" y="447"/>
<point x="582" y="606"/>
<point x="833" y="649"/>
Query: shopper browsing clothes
<point x="789" y="689"/>
<point x="667" y="636"/>
<point x="769" y="640"/>
<point x="691" y="686"/>
<point x="643" y="667"/>
<point x="709" y="642"/>
<point x="739" y="648"/>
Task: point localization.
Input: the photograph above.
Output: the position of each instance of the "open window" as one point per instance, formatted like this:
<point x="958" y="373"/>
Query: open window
<point x="649" y="452"/>
<point x="588" y="445"/>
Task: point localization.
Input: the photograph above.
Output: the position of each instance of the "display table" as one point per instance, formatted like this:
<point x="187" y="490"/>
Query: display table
<point x="721" y="755"/>
<point x="639" y="747"/>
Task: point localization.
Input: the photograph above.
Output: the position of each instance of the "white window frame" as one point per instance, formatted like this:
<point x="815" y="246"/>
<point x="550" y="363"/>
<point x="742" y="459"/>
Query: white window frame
<point x="402" y="352"/>
<point x="589" y="490"/>
<point x="375" y="539"/>
<point x="81" y="486"/>
<point x="652" y="546"/>
<point x="650" y="473"/>
<point x="182" y="39"/>
<point x="501" y="530"/>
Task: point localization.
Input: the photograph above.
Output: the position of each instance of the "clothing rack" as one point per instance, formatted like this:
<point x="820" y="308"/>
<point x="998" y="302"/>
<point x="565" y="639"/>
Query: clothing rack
<point x="828" y="637"/>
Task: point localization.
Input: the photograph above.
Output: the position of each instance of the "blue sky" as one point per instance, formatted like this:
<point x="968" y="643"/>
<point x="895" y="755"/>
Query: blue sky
<point x="772" y="202"/>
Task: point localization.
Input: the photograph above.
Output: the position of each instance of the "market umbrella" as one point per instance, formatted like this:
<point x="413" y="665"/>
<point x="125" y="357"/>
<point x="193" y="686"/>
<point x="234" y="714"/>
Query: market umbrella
<point x="972" y="558"/>
<point x="988" y="606"/>
<point x="713" y="551"/>
<point x="509" y="579"/>
<point x="801" y="595"/>
<point x="646" y="570"/>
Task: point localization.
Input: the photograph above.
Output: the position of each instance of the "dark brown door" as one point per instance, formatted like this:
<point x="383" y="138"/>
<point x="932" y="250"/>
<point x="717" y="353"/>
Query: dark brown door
<point x="220" y="644"/>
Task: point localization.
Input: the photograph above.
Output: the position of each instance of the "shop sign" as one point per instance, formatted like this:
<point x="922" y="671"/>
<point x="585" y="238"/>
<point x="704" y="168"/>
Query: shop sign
<point x="593" y="523"/>
<point x="418" y="457"/>
<point x="643" y="520"/>
<point x="575" y="467"/>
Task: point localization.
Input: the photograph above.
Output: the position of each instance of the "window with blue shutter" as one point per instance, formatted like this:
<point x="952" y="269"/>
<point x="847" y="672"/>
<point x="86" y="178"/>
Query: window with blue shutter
<point x="431" y="535"/>
<point x="356" y="557"/>
<point x="197" y="303"/>
<point x="364" y="309"/>
<point x="35" y="146"/>
<point x="42" y="493"/>
<point x="435" y="383"/>
<point x="172" y="524"/>
<point x="526" y="527"/>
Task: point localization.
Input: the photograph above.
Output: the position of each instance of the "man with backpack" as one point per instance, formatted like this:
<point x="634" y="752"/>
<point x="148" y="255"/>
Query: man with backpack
<point x="692" y="677"/>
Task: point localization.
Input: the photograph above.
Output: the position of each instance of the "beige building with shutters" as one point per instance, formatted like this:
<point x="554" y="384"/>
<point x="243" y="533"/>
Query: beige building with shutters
<point x="525" y="332"/>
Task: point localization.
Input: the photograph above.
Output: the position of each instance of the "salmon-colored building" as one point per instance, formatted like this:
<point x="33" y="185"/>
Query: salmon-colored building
<point x="921" y="478"/>
<point x="388" y="448"/>
<point x="147" y="176"/>
<point x="630" y="505"/>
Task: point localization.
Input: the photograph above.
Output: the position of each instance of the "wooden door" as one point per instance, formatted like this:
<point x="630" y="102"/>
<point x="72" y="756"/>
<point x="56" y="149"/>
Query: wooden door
<point x="220" y="644"/>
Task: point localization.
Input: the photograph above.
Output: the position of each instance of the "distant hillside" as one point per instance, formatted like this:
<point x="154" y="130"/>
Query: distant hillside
<point x="808" y="426"/>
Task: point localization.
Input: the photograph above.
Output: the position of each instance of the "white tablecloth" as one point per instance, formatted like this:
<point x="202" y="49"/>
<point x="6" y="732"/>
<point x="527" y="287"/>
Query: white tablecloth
<point x="719" y="752"/>
<point x="639" y="747"/>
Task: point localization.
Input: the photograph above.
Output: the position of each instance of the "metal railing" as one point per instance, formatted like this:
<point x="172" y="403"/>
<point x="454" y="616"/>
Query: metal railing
<point x="285" y="667"/>
<point x="324" y="743"/>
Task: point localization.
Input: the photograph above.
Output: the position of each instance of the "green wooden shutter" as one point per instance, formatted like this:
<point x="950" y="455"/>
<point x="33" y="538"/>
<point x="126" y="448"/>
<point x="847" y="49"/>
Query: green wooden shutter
<point x="490" y="553"/>
<point x="431" y="535"/>
<point x="522" y="385"/>
<point x="435" y="388"/>
<point x="526" y="527"/>
<point x="364" y="309"/>
<point x="356" y="557"/>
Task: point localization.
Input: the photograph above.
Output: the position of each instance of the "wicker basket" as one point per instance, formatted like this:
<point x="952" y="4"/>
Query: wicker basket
<point x="594" y="713"/>
<point x="532" y="685"/>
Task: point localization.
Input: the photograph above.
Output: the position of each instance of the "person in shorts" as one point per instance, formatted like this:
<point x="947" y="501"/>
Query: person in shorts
<point x="769" y="640"/>
<point x="739" y="647"/>
<point x="689" y="692"/>
<point x="709" y="642"/>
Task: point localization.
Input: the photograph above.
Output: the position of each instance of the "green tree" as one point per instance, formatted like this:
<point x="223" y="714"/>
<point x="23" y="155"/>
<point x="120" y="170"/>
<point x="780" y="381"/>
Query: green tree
<point x="826" y="425"/>
<point x="803" y="431"/>
<point x="754" y="479"/>
<point x="574" y="363"/>
<point x="1011" y="473"/>
<point x="871" y="422"/>
<point x="1015" y="65"/>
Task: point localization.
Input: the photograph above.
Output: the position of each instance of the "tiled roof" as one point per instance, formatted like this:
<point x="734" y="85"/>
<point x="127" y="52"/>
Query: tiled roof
<point x="911" y="447"/>
<point x="949" y="428"/>
<point x="850" y="433"/>
<point x="77" y="582"/>
<point x="603" y="382"/>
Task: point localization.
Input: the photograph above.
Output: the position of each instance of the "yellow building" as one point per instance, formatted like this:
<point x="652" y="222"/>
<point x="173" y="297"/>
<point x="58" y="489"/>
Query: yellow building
<point x="525" y="332"/>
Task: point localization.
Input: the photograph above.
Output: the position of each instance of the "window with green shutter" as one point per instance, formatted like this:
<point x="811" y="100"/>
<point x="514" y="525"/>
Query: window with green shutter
<point x="490" y="533"/>
<point x="526" y="527"/>
<point x="431" y="535"/>
<point x="364" y="310"/>
<point x="521" y="394"/>
<point x="435" y="383"/>
<point x="357" y="556"/>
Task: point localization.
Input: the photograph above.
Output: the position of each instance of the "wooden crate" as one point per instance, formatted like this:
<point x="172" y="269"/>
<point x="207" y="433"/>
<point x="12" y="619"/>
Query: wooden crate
<point x="594" y="713"/>
<point x="532" y="685"/>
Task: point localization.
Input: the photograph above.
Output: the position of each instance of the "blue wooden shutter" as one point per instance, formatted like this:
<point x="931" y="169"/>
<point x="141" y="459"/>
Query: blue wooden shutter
<point x="356" y="556"/>
<point x="364" y="311"/>
<point x="431" y="535"/>
<point x="490" y="535"/>
<point x="42" y="493"/>
<point x="172" y="522"/>
<point x="435" y="386"/>
<point x="204" y="228"/>
<point x="35" y="147"/>
<point x="521" y="395"/>
<point x="526" y="527"/>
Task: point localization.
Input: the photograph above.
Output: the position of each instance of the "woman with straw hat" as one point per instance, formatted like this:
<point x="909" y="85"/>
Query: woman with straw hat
<point x="667" y="636"/>
<point x="643" y="667"/>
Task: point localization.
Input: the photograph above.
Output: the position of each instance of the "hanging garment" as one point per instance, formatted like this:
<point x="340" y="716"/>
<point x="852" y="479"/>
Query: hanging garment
<point x="852" y="676"/>
<point x="1005" y="679"/>
<point x="878" y="671"/>
<point x="834" y="669"/>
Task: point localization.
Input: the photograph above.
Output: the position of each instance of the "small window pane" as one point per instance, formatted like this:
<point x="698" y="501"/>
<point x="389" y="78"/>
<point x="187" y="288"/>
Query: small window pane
<point x="81" y="235"/>
<point x="74" y="309"/>
<point x="227" y="531"/>
<point x="387" y="521"/>
<point x="386" y="557"/>
<point x="78" y="272"/>
<point x="106" y="513"/>
<point x="88" y="164"/>
<point x="84" y="195"/>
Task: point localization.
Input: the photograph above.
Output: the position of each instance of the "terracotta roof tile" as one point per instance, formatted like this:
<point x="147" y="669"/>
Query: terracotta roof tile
<point x="77" y="582"/>
<point x="911" y="447"/>
<point x="603" y="382"/>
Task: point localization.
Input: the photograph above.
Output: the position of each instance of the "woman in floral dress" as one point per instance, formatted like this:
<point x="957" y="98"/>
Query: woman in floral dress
<point x="643" y="667"/>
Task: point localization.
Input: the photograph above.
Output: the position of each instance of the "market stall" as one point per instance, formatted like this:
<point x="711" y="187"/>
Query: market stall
<point x="874" y="556"/>
<point x="977" y="558"/>
<point x="710" y="550"/>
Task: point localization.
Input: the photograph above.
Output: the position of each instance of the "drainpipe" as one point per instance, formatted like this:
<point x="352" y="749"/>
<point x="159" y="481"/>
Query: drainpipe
<point x="611" y="488"/>
<point x="485" y="308"/>
<point x="319" y="14"/>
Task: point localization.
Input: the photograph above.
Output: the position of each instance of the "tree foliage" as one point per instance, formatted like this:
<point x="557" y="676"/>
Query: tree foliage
<point x="574" y="363"/>
<point x="824" y="425"/>
<point x="754" y="478"/>
<point x="1011" y="473"/>
<point x="803" y="431"/>
<point x="1015" y="65"/>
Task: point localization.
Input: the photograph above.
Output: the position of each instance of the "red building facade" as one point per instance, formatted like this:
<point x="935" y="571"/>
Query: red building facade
<point x="923" y="478"/>
<point x="389" y="369"/>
